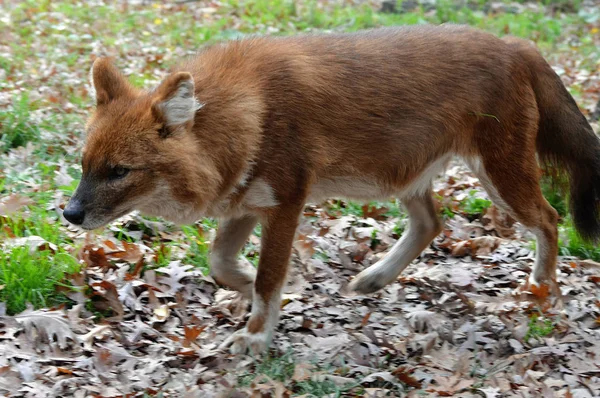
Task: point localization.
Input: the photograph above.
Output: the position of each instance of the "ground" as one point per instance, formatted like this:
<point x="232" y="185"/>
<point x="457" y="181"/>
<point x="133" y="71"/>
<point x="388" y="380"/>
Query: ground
<point x="130" y="311"/>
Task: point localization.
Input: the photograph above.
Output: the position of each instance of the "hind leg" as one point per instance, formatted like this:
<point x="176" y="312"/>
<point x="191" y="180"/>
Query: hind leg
<point x="544" y="269"/>
<point x="423" y="226"/>
<point x="513" y="185"/>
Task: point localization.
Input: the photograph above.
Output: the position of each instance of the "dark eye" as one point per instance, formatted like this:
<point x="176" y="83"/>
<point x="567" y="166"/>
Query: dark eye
<point x="118" y="172"/>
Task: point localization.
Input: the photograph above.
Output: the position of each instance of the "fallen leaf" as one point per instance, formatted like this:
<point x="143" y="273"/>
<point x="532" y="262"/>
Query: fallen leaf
<point x="406" y="378"/>
<point x="302" y="371"/>
<point x="109" y="299"/>
<point x="13" y="203"/>
<point x="191" y="333"/>
<point x="46" y="325"/>
<point x="35" y="243"/>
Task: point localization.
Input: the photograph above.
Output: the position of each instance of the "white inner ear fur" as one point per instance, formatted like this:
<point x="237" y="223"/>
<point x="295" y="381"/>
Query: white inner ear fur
<point x="92" y="88"/>
<point x="182" y="106"/>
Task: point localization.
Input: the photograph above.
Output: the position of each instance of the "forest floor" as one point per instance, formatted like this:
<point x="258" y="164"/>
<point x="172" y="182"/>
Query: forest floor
<point x="129" y="310"/>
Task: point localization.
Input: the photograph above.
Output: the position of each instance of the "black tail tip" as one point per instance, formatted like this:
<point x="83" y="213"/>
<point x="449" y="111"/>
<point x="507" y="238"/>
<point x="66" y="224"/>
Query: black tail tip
<point x="588" y="230"/>
<point x="585" y="209"/>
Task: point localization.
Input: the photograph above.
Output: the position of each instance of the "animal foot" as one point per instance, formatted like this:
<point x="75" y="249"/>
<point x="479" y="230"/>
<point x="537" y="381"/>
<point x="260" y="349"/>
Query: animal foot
<point x="242" y="342"/>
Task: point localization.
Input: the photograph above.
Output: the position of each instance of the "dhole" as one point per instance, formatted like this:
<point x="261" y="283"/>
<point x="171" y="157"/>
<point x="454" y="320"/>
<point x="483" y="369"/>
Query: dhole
<point x="251" y="130"/>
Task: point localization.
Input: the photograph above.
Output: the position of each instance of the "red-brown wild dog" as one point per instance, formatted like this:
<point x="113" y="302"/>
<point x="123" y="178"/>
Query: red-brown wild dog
<point x="249" y="131"/>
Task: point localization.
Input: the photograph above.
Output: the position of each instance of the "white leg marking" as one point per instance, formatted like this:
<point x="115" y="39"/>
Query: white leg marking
<point x="226" y="266"/>
<point x="243" y="341"/>
<point x="542" y="249"/>
<point x="422" y="228"/>
<point x="387" y="270"/>
<point x="233" y="272"/>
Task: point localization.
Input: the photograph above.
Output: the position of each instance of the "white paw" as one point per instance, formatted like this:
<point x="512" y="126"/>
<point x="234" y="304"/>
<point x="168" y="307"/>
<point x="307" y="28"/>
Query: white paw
<point x="533" y="281"/>
<point x="368" y="281"/>
<point x="242" y="342"/>
<point x="240" y="278"/>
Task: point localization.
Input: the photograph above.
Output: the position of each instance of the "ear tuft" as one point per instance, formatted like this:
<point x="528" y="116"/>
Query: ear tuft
<point x="177" y="103"/>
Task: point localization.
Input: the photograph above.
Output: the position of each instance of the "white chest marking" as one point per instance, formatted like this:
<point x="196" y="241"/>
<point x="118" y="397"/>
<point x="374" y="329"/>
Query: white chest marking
<point x="260" y="194"/>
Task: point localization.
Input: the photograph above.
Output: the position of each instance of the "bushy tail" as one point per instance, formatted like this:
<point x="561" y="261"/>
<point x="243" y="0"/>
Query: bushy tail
<point x="566" y="143"/>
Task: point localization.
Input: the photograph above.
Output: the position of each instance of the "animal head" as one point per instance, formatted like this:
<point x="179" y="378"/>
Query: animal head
<point x="140" y="152"/>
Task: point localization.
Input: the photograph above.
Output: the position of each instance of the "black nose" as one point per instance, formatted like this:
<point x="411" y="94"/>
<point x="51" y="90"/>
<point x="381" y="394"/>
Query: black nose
<point x="74" y="213"/>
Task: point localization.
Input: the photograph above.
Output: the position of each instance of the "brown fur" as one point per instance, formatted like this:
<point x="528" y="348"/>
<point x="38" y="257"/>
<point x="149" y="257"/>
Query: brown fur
<point x="362" y="115"/>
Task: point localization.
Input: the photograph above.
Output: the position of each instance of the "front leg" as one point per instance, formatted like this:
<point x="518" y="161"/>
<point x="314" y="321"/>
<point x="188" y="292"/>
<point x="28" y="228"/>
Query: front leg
<point x="278" y="230"/>
<point x="225" y="267"/>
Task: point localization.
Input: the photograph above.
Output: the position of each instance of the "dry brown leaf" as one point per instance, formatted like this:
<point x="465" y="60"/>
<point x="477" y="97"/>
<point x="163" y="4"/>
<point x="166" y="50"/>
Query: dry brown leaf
<point x="376" y="213"/>
<point x="130" y="253"/>
<point x="109" y="299"/>
<point x="175" y="273"/>
<point x="302" y="371"/>
<point x="484" y="245"/>
<point x="449" y="386"/>
<point x="541" y="292"/>
<point x="365" y="319"/>
<point x="500" y="222"/>
<point x="13" y="203"/>
<point x="191" y="333"/>
<point x="64" y="371"/>
<point x="305" y="247"/>
<point x="406" y="378"/>
<point x="95" y="257"/>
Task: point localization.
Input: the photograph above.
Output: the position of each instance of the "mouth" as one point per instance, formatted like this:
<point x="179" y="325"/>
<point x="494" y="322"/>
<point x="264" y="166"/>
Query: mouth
<point x="92" y="223"/>
<point x="89" y="226"/>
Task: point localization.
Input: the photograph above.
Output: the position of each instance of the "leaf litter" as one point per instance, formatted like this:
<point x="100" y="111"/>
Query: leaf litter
<point x="453" y="325"/>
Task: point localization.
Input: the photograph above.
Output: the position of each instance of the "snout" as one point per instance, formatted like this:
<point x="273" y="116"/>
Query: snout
<point x="74" y="212"/>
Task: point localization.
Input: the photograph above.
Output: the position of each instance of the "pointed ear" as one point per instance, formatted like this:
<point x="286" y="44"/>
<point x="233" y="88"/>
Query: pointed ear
<point x="107" y="82"/>
<point x="175" y="104"/>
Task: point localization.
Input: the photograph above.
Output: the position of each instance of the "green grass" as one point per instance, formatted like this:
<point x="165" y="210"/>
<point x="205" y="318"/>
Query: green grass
<point x="197" y="254"/>
<point x="320" y="387"/>
<point x="163" y="254"/>
<point x="31" y="277"/>
<point x="571" y="244"/>
<point x="281" y="368"/>
<point x="554" y="196"/>
<point x="272" y="367"/>
<point x="538" y="328"/>
<point x="346" y="208"/>
<point x="474" y="206"/>
<point x="36" y="222"/>
<point x="52" y="120"/>
<point x="16" y="126"/>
